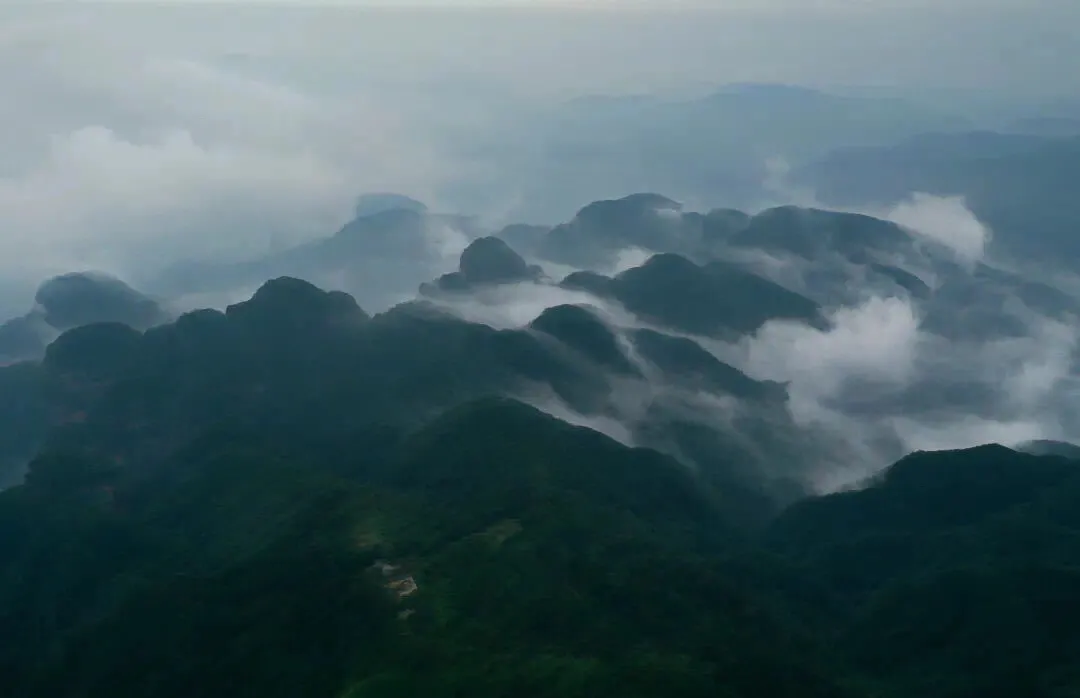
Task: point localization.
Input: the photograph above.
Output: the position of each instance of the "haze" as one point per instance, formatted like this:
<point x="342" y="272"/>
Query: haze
<point x="137" y="131"/>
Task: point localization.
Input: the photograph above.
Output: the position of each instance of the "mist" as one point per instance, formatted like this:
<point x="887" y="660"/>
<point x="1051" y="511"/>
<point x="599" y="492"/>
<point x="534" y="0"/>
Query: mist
<point x="140" y="140"/>
<point x="883" y="378"/>
<point x="213" y="130"/>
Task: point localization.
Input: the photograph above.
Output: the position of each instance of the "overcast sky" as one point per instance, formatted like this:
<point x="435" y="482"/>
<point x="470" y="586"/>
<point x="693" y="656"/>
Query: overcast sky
<point x="137" y="131"/>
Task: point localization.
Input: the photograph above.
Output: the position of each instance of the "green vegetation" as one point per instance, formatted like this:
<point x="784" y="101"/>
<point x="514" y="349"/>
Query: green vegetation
<point x="239" y="505"/>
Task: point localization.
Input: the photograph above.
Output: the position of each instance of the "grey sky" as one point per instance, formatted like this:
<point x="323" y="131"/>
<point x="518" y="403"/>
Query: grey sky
<point x="135" y="130"/>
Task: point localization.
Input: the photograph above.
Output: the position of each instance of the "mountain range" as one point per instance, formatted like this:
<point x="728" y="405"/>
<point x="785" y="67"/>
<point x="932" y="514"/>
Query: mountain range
<point x="645" y="452"/>
<point x="1017" y="183"/>
<point x="714" y="149"/>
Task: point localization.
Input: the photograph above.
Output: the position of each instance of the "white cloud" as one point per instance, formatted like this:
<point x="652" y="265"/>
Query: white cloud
<point x="135" y="136"/>
<point x="946" y="220"/>
<point x="877" y="341"/>
<point x="227" y="127"/>
<point x="98" y="197"/>
<point x="513" y="306"/>
<point x="1037" y="365"/>
<point x="884" y="386"/>
<point x="131" y="144"/>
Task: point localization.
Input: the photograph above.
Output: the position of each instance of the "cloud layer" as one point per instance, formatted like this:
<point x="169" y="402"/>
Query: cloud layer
<point x="212" y="130"/>
<point x="135" y="137"/>
<point x="944" y="220"/>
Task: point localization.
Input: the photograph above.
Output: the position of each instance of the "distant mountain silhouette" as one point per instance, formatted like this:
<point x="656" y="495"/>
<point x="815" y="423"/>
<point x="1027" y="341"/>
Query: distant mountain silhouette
<point x="1019" y="185"/>
<point x="74" y="300"/>
<point x="487" y="261"/>
<point x="374" y="204"/>
<point x="77" y="299"/>
<point x="380" y="257"/>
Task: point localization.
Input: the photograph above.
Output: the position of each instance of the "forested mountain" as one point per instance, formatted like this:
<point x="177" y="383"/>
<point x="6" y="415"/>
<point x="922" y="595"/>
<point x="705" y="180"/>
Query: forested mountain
<point x="72" y="300"/>
<point x="647" y="452"/>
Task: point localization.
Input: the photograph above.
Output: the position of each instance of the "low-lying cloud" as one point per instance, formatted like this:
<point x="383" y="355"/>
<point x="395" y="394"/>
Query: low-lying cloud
<point x="101" y="200"/>
<point x="887" y="385"/>
<point x="875" y="342"/>
<point x="945" y="220"/>
<point x="941" y="220"/>
<point x="150" y="147"/>
<point x="879" y="381"/>
<point x="139" y="140"/>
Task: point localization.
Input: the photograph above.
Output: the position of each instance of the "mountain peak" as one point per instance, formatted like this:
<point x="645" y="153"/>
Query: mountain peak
<point x="377" y="203"/>
<point x="291" y="302"/>
<point x="82" y="298"/>
<point x="641" y="203"/>
<point x="582" y="330"/>
<point x="489" y="260"/>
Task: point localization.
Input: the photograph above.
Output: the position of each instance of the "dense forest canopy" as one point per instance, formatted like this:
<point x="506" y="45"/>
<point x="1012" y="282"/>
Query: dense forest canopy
<point x="295" y="497"/>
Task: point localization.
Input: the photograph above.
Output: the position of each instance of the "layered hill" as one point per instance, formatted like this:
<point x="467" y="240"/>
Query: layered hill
<point x="592" y="460"/>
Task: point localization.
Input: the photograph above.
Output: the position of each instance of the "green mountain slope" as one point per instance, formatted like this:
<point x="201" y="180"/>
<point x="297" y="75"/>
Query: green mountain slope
<point x="962" y="569"/>
<point x="295" y="498"/>
<point x="548" y="560"/>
